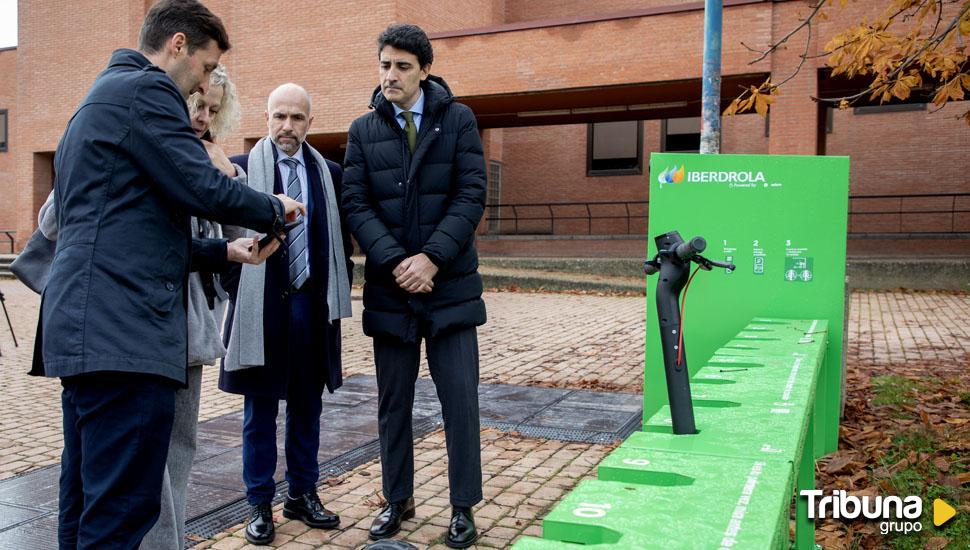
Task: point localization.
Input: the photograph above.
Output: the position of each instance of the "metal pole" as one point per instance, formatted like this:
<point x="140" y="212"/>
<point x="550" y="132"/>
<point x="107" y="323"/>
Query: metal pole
<point x="711" y="85"/>
<point x="9" y="324"/>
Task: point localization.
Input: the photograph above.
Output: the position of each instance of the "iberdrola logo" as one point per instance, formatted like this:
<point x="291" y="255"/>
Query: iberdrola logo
<point x="671" y="175"/>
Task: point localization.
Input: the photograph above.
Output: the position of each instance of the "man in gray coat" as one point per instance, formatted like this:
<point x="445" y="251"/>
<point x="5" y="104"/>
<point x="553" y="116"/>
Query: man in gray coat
<point x="284" y="341"/>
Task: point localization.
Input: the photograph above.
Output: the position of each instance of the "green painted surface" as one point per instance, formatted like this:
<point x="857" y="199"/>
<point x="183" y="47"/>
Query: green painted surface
<point x="781" y="378"/>
<point x="782" y="221"/>
<point x="746" y="431"/>
<point x="656" y="497"/>
<point x="626" y="542"/>
<point x="754" y="403"/>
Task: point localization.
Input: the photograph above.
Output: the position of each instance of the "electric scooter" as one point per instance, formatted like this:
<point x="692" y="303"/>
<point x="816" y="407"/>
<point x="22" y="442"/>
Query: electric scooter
<point x="673" y="263"/>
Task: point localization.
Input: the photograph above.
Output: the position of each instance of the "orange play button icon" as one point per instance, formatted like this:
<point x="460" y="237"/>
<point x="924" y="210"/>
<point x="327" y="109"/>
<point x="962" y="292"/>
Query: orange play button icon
<point x="942" y="512"/>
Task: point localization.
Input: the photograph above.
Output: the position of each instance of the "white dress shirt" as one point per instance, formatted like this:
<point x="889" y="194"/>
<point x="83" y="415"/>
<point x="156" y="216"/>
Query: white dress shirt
<point x="417" y="109"/>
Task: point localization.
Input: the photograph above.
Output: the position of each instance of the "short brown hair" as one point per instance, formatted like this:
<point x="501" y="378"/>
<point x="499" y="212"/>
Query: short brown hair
<point x="190" y="17"/>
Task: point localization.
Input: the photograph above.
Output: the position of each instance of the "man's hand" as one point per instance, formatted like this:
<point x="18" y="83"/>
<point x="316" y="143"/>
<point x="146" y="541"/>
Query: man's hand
<point x="415" y="274"/>
<point x="291" y="207"/>
<point x="219" y="158"/>
<point x="246" y="250"/>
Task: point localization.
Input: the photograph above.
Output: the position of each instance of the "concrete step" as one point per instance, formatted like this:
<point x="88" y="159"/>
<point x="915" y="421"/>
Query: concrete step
<point x="5" y="260"/>
<point x="625" y="275"/>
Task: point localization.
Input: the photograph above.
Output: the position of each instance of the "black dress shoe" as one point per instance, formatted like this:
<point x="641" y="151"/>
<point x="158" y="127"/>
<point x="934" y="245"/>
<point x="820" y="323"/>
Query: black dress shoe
<point x="461" y="532"/>
<point x="388" y="522"/>
<point x="308" y="509"/>
<point x="260" y="529"/>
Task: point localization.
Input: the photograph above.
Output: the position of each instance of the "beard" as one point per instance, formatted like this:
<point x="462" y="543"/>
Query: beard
<point x="288" y="147"/>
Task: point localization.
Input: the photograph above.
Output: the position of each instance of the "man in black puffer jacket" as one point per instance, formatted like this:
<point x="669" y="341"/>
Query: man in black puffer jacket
<point x="414" y="192"/>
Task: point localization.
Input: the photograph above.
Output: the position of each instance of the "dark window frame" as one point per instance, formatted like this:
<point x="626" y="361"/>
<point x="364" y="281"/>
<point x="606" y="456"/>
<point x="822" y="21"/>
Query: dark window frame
<point x="493" y="186"/>
<point x="889" y="108"/>
<point x="5" y="144"/>
<point x="663" y="140"/>
<point x="590" y="172"/>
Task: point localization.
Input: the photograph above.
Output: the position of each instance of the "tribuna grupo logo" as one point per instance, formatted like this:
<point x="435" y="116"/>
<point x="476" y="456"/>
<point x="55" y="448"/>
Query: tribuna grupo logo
<point x="896" y="514"/>
<point x="677" y="174"/>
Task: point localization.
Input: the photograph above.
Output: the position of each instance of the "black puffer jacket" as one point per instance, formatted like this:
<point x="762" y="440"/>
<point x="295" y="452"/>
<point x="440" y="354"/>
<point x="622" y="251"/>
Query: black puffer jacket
<point x="398" y="205"/>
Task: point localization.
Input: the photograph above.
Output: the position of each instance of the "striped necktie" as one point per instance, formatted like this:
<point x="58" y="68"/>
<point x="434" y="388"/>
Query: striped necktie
<point x="296" y="238"/>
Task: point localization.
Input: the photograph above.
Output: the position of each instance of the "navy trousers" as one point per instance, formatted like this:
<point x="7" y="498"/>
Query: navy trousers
<point x="303" y="407"/>
<point x="116" y="433"/>
<point x="453" y="362"/>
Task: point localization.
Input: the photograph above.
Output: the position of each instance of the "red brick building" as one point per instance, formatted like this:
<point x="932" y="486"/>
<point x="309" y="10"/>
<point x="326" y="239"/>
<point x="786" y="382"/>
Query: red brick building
<point x="572" y="97"/>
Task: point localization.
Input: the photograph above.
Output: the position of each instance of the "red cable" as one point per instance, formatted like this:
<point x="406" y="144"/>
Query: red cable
<point x="680" y="329"/>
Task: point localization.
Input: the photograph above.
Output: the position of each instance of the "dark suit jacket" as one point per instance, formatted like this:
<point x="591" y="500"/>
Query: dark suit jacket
<point x="324" y="358"/>
<point x="130" y="172"/>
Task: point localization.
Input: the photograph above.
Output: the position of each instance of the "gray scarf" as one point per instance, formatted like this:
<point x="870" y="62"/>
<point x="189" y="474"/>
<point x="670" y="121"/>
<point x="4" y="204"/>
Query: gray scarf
<point x="246" y="340"/>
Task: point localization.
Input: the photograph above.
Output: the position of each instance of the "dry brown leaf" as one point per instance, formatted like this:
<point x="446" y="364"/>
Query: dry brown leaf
<point x="838" y="462"/>
<point x="941" y="464"/>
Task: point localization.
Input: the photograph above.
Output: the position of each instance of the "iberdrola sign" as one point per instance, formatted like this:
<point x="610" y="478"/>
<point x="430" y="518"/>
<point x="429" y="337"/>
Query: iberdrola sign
<point x="677" y="174"/>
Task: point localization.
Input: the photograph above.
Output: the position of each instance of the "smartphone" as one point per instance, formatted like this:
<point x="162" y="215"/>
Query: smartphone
<point x="268" y="238"/>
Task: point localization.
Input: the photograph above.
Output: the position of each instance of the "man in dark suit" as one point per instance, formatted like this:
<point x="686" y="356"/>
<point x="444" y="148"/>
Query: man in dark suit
<point x="415" y="192"/>
<point x="284" y="341"/>
<point x="130" y="172"/>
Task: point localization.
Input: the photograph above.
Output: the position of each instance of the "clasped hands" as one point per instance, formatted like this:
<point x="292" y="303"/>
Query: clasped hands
<point x="415" y="274"/>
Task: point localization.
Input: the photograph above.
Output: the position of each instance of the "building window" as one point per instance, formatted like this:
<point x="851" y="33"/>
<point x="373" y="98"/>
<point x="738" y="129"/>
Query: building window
<point x="614" y="148"/>
<point x="3" y="129"/>
<point x="888" y="108"/>
<point x="494" y="194"/>
<point x="681" y="135"/>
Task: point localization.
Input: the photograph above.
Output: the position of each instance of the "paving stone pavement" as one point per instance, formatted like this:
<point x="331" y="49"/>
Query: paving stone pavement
<point x="559" y="340"/>
<point x="523" y="479"/>
<point x="552" y="340"/>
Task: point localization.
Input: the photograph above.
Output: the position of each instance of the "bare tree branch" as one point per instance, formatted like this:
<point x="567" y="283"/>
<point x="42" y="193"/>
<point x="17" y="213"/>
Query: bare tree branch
<point x="807" y="21"/>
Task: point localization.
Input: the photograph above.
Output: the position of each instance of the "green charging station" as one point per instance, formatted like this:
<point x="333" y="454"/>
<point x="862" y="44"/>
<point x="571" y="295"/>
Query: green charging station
<point x="763" y="344"/>
<point x="782" y="221"/>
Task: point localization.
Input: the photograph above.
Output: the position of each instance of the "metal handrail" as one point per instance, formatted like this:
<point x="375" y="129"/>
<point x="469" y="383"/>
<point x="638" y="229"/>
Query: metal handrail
<point x="552" y="216"/>
<point x="899" y="211"/>
<point x="10" y="237"/>
<point x="515" y="213"/>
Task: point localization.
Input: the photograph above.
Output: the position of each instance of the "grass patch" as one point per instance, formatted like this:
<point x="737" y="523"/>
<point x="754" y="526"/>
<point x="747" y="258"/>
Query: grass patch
<point x="918" y="439"/>
<point x="965" y="397"/>
<point x="921" y="479"/>
<point x="893" y="390"/>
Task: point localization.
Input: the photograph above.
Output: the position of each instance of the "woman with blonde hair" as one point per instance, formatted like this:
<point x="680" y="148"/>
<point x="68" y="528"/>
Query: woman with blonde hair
<point x="215" y="113"/>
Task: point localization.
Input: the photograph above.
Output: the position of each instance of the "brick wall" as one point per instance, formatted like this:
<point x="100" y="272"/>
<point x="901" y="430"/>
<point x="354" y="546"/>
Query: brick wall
<point x="49" y="85"/>
<point x="330" y="49"/>
<point x="8" y="187"/>
<point x="333" y="55"/>
<point x="906" y="153"/>
<point x="530" y="10"/>
<point x="433" y="16"/>
<point x="622" y="51"/>
<point x="548" y="164"/>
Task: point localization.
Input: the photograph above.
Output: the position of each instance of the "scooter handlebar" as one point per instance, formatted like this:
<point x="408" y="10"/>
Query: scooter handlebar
<point x="687" y="250"/>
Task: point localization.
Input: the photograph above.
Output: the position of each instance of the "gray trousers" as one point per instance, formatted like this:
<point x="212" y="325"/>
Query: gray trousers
<point x="169" y="531"/>
<point x="453" y="362"/>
